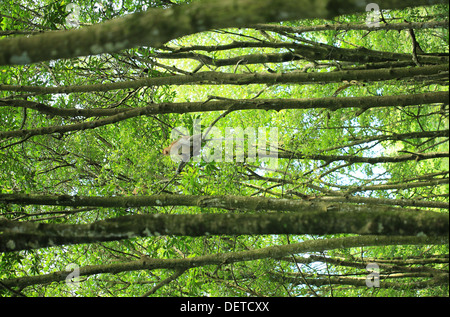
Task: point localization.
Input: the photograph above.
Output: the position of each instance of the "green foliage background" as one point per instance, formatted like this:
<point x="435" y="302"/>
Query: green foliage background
<point x="125" y="158"/>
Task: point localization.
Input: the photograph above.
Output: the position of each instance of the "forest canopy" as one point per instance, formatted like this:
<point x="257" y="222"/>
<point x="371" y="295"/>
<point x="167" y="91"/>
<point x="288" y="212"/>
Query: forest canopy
<point x="260" y="148"/>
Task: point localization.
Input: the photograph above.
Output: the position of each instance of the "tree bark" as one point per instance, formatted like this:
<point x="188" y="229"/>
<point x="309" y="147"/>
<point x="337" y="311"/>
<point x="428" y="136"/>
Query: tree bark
<point x="17" y="236"/>
<point x="158" y="26"/>
<point x="274" y="252"/>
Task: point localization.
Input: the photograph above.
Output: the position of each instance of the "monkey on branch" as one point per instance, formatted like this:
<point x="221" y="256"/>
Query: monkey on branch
<point x="186" y="147"/>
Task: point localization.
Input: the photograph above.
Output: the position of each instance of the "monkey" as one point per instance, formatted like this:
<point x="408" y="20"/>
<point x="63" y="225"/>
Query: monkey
<point x="194" y="146"/>
<point x="166" y="151"/>
<point x="185" y="147"/>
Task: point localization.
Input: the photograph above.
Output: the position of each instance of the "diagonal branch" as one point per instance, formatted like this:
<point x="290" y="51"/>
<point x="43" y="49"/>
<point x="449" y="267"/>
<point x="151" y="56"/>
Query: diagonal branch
<point x="158" y="26"/>
<point x="274" y="252"/>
